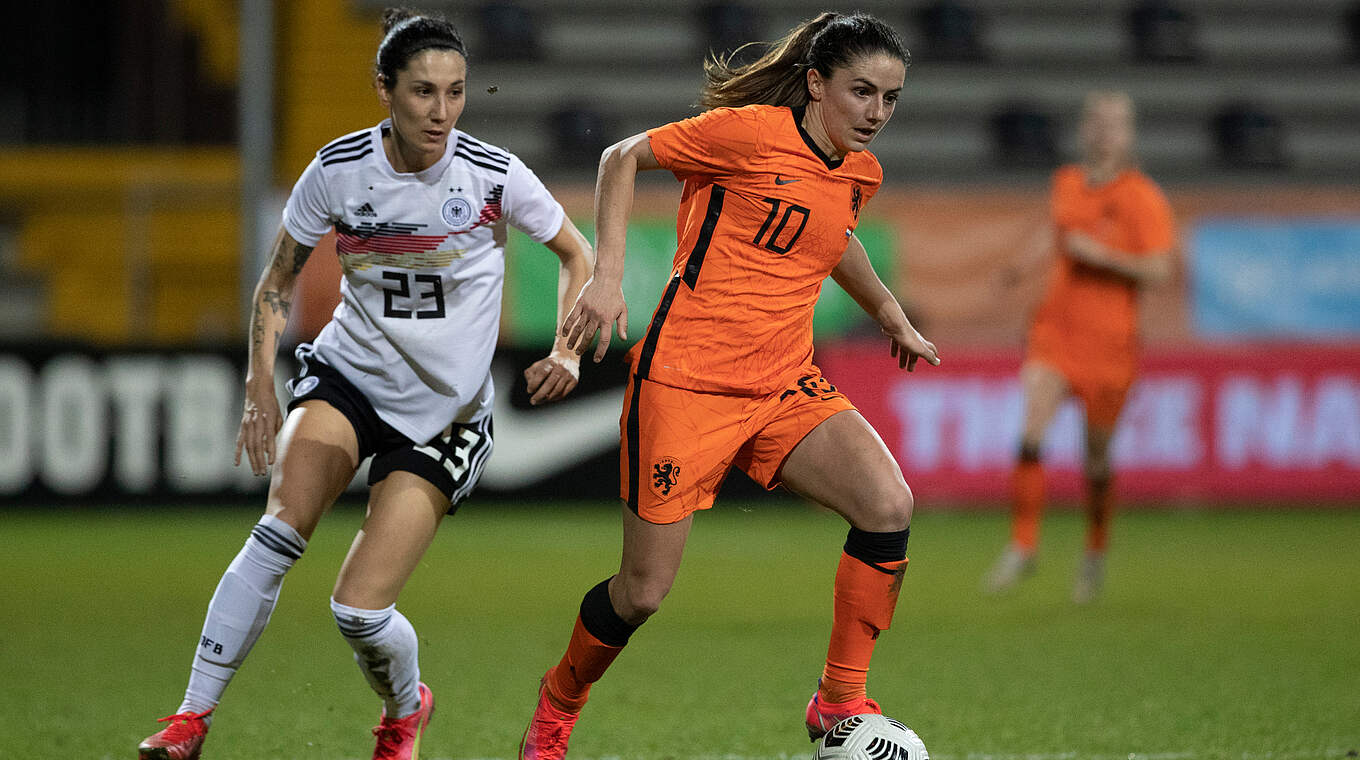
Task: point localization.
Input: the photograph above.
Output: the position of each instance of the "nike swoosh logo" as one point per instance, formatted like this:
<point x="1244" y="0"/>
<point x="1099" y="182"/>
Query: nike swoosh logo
<point x="536" y="445"/>
<point x="778" y="180"/>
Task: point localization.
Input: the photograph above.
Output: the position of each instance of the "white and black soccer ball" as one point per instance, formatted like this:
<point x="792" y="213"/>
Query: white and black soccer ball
<point x="870" y="737"/>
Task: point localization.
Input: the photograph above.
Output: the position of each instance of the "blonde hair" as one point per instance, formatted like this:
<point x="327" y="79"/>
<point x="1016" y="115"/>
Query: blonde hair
<point x="779" y="76"/>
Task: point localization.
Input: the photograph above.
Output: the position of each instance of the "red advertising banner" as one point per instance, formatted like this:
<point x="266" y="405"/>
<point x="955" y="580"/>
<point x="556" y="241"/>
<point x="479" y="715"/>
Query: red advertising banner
<point x="1274" y="423"/>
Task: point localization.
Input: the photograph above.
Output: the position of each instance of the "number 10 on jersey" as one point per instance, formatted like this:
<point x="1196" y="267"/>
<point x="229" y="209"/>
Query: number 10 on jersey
<point x="772" y="241"/>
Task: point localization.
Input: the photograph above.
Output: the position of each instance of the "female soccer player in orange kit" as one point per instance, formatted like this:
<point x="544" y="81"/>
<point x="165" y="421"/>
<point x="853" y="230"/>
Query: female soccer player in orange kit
<point x="774" y="179"/>
<point x="1115" y="234"/>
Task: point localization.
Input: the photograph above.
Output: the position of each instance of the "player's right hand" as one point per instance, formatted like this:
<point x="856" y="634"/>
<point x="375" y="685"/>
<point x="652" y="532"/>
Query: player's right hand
<point x="260" y="424"/>
<point x="598" y="311"/>
<point x="908" y="345"/>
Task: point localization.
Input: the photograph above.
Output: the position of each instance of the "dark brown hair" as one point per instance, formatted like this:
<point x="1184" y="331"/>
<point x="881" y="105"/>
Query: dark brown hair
<point x="779" y="77"/>
<point x="406" y="33"/>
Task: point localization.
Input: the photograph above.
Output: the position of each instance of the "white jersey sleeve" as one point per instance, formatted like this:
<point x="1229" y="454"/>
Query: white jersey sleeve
<point x="307" y="215"/>
<point x="528" y="206"/>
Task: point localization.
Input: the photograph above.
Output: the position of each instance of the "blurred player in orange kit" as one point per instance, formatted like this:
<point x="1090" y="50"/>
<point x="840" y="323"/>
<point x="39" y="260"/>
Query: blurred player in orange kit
<point x="775" y="176"/>
<point x="1114" y="236"/>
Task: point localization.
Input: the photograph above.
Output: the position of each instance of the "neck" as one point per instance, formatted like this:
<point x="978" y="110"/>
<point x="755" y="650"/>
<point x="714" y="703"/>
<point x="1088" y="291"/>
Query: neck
<point x="406" y="158"/>
<point x="1102" y="170"/>
<point x="812" y="124"/>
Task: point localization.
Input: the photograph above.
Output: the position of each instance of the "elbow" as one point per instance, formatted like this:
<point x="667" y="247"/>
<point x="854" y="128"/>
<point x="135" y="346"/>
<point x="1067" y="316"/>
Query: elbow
<point x="624" y="153"/>
<point x="613" y="156"/>
<point x="1159" y="272"/>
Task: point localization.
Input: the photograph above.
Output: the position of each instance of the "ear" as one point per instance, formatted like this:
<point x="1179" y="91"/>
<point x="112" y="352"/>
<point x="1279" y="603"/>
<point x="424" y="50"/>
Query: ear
<point x="380" y="85"/>
<point x="815" y="84"/>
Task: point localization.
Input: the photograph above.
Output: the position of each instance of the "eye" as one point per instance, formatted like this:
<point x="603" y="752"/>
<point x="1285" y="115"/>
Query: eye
<point x="861" y="91"/>
<point x="891" y="99"/>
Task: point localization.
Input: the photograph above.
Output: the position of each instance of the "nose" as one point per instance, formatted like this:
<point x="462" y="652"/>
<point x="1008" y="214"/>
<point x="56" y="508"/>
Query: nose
<point x="876" y="111"/>
<point x="439" y="110"/>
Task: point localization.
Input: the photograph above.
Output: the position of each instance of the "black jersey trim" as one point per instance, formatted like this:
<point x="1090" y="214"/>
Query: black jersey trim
<point x="696" y="256"/>
<point x="631" y="466"/>
<point x="480" y="162"/>
<point x="473" y="150"/>
<point x="798" y="112"/>
<point x="484" y="149"/>
<point x="644" y="367"/>
<point x="689" y="277"/>
<point x="345" y="159"/>
<point x="346" y="150"/>
<point x="344" y="143"/>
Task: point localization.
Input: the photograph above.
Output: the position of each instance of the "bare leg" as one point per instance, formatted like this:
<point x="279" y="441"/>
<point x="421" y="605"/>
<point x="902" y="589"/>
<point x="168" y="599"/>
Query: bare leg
<point x="1044" y="390"/>
<point x="404" y="511"/>
<point x="844" y="465"/>
<point x="318" y="454"/>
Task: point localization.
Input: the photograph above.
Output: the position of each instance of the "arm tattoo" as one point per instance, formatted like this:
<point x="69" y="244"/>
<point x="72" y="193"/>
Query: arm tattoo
<point x="276" y="302"/>
<point x="257" y="329"/>
<point x="300" y="254"/>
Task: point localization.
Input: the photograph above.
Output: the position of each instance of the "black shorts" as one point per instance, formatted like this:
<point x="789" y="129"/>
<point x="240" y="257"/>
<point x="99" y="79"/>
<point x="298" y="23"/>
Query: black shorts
<point x="452" y="461"/>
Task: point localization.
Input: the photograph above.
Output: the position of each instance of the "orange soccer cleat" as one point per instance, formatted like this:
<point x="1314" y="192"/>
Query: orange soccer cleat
<point x="549" y="729"/>
<point x="821" y="716"/>
<point x="181" y="740"/>
<point x="399" y="738"/>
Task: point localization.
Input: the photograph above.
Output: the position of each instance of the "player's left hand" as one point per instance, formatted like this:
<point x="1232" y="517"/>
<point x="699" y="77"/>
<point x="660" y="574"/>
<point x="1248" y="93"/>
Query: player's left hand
<point x="553" y="377"/>
<point x="908" y="345"/>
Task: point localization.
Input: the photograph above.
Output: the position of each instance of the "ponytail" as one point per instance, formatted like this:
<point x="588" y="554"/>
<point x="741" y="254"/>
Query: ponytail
<point x="779" y="77"/>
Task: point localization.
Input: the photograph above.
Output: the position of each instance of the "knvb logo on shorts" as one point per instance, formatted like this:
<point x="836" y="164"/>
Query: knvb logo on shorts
<point x="665" y="476"/>
<point x="457" y="213"/>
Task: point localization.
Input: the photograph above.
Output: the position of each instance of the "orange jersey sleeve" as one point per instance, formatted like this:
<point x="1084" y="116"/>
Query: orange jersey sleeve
<point x="764" y="217"/>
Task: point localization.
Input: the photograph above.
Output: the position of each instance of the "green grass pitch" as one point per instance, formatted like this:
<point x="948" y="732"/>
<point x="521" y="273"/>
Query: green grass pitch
<point x="1222" y="635"/>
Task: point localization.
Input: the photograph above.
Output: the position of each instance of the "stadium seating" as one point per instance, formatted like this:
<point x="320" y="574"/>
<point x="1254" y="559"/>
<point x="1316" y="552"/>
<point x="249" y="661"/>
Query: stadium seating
<point x="1227" y="90"/>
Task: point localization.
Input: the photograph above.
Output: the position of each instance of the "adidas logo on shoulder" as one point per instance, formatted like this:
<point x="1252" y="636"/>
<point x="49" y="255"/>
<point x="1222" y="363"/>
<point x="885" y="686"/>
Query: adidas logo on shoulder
<point x="366" y="210"/>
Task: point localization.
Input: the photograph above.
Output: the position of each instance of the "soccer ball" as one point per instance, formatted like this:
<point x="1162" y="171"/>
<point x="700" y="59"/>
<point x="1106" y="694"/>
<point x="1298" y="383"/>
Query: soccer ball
<point x="870" y="737"/>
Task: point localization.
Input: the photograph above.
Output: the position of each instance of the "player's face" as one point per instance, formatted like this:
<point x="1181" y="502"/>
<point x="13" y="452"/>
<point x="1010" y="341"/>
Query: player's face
<point x="857" y="99"/>
<point x="426" y="100"/>
<point x="1107" y="129"/>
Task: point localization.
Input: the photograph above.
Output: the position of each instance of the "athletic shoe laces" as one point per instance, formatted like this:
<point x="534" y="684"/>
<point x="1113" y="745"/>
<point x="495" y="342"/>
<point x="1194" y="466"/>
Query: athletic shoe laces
<point x="182" y="725"/>
<point x="388" y="732"/>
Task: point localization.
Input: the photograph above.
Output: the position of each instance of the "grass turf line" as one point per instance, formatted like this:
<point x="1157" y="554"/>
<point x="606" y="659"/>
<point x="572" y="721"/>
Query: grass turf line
<point x="1221" y="635"/>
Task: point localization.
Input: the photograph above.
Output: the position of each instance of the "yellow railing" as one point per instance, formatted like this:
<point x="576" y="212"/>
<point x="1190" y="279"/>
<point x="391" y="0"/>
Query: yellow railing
<point x="129" y="245"/>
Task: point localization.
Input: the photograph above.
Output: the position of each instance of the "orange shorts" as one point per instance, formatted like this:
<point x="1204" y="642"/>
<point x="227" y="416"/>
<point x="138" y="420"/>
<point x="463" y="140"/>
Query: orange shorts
<point x="677" y="445"/>
<point x="1099" y="377"/>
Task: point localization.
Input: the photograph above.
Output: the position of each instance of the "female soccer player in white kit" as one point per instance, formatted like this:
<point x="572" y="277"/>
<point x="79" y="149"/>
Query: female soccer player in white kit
<point x="401" y="373"/>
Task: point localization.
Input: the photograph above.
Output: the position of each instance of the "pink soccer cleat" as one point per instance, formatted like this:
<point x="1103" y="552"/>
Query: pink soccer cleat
<point x="399" y="738"/>
<point x="181" y="740"/>
<point x="821" y="716"/>
<point x="549" y="729"/>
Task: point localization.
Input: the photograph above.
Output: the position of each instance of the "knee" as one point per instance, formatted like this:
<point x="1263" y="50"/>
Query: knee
<point x="637" y="596"/>
<point x="887" y="508"/>
<point x="898" y="505"/>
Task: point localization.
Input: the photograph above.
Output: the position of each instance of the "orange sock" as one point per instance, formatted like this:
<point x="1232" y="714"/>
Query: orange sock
<point x="588" y="654"/>
<point x="585" y="661"/>
<point x="1027" y="492"/>
<point x="865" y="597"/>
<point x="1099" y="509"/>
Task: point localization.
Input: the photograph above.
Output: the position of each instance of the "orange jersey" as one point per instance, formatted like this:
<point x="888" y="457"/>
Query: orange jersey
<point x="764" y="217"/>
<point x="1096" y="311"/>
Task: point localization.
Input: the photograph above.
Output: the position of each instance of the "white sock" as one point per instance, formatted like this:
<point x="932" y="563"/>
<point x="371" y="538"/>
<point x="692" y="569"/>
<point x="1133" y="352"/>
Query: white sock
<point x="240" y="609"/>
<point x="384" y="645"/>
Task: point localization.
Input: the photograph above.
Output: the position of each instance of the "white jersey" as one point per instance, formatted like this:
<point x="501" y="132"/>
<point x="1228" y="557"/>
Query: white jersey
<point x="423" y="256"/>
